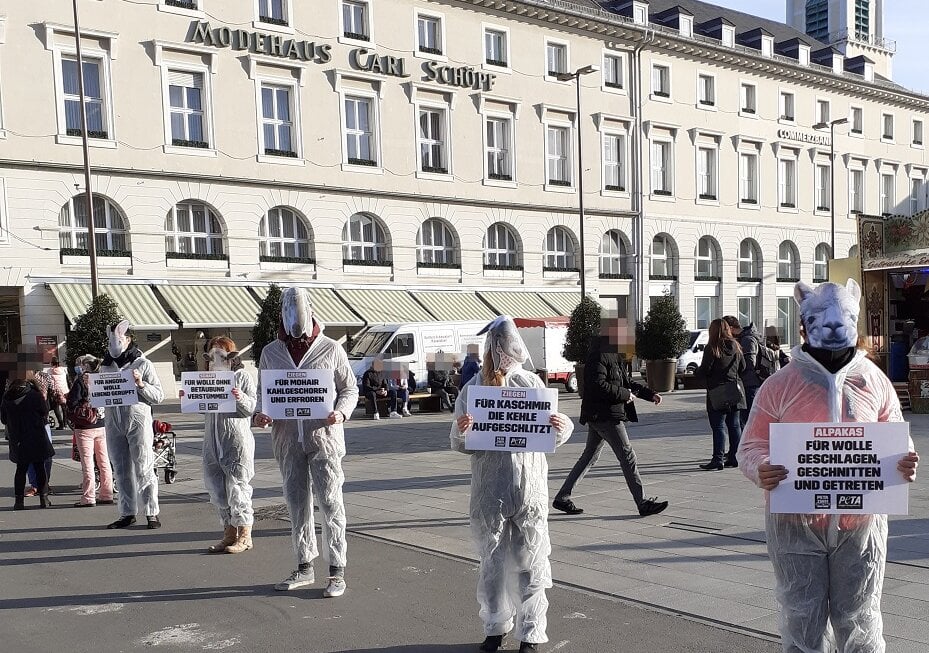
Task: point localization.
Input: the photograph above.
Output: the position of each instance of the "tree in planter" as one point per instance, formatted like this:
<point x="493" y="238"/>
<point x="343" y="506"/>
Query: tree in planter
<point x="662" y="336"/>
<point x="267" y="322"/>
<point x="584" y="326"/>
<point x="88" y="335"/>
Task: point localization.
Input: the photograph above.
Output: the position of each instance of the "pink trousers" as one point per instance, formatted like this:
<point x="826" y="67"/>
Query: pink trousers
<point x="92" y="442"/>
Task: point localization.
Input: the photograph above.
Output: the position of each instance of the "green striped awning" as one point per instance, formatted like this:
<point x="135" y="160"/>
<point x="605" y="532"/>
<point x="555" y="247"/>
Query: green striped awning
<point x="454" y="306"/>
<point x="204" y="307"/>
<point x="326" y="305"/>
<point x="518" y="304"/>
<point x="136" y="302"/>
<point x="564" y="302"/>
<point x="385" y="306"/>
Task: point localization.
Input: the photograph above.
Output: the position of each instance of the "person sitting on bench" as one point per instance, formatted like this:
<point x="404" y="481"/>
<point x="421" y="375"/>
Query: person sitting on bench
<point x="440" y="382"/>
<point x="374" y="386"/>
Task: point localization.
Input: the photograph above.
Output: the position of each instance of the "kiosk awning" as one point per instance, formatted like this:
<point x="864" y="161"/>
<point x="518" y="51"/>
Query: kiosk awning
<point x="330" y="309"/>
<point x="518" y="304"/>
<point x="454" y="306"/>
<point x="564" y="302"/>
<point x="136" y="302"/>
<point x="203" y="307"/>
<point x="385" y="306"/>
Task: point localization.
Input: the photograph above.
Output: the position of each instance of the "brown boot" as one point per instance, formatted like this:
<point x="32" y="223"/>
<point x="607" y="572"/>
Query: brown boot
<point x="243" y="541"/>
<point x="229" y="534"/>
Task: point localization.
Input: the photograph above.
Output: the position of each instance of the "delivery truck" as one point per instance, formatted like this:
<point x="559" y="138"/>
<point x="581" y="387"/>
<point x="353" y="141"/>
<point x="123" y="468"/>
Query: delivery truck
<point x="545" y="340"/>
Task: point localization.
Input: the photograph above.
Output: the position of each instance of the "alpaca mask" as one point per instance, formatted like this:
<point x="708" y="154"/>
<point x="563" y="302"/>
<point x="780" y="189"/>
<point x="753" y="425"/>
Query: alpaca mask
<point x="296" y="312"/>
<point x="829" y="314"/>
<point x="220" y="360"/>
<point x="118" y="340"/>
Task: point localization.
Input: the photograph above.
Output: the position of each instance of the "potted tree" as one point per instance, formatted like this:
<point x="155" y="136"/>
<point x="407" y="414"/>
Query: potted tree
<point x="659" y="339"/>
<point x="584" y="325"/>
<point x="267" y="321"/>
<point x="88" y="335"/>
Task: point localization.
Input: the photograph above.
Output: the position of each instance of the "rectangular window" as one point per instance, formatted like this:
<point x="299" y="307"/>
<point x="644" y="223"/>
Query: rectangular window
<point x="429" y="32"/>
<point x="887" y="121"/>
<point x="706" y="173"/>
<point x="612" y="71"/>
<point x="787" y="107"/>
<point x="277" y="121"/>
<point x="93" y="98"/>
<point x="558" y="156"/>
<point x="788" y="326"/>
<point x="856" y="191"/>
<point x="355" y="20"/>
<point x="787" y="183"/>
<point x="188" y="117"/>
<point x="433" y="141"/>
<point x="614" y="172"/>
<point x="857" y="119"/>
<point x="272" y="11"/>
<point x="556" y="59"/>
<point x="706" y="90"/>
<point x="661" y="81"/>
<point x="916" y="189"/>
<point x="917" y="132"/>
<point x="748" y="310"/>
<point x="359" y="131"/>
<point x="862" y="20"/>
<point x="888" y="201"/>
<point x="706" y="311"/>
<point x="182" y="4"/>
<point x="661" y="168"/>
<point x="748" y="178"/>
<point x="499" y="149"/>
<point x="822" y="111"/>
<point x="748" y="102"/>
<point x="495" y="48"/>
<point x="823" y="189"/>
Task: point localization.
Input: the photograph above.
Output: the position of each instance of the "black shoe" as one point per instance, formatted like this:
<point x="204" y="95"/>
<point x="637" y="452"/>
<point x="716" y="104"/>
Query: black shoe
<point x="731" y="462"/>
<point x="153" y="523"/>
<point x="712" y="466"/>
<point x="19" y="503"/>
<point x="652" y="507"/>
<point x="491" y="643"/>
<point x="123" y="522"/>
<point x="526" y="647"/>
<point x="566" y="505"/>
<point x="43" y="501"/>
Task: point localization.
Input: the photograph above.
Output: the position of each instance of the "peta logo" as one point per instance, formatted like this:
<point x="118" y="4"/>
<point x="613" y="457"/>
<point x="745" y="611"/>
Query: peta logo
<point x="822" y="502"/>
<point x="500" y="441"/>
<point x="518" y="441"/>
<point x="303" y="412"/>
<point x="849" y="501"/>
<point x="212" y="406"/>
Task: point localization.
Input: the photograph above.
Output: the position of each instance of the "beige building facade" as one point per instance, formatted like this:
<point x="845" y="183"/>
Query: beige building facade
<point x="418" y="160"/>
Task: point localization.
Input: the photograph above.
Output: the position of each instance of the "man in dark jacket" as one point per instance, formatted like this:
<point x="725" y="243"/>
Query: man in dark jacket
<point x="374" y="386"/>
<point x="751" y="342"/>
<point x="606" y="405"/>
<point x="24" y="411"/>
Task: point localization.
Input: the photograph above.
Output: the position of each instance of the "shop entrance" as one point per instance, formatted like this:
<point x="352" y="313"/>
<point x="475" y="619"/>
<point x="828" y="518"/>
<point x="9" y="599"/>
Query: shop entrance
<point x="10" y="333"/>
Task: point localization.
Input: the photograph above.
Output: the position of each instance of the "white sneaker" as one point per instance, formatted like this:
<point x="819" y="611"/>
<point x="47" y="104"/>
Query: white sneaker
<point x="296" y="579"/>
<point x="336" y="587"/>
<point x="406" y="413"/>
<point x="395" y="415"/>
<point x="376" y="415"/>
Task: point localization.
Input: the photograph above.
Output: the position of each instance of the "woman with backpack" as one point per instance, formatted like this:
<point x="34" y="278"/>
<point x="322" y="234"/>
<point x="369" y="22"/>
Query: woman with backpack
<point x="722" y="367"/>
<point x="89" y="437"/>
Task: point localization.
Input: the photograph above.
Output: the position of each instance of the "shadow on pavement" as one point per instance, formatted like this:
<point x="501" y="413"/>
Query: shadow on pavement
<point x="157" y="596"/>
<point x="419" y="648"/>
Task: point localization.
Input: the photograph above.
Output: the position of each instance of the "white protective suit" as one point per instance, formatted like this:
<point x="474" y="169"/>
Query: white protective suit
<point x="509" y="510"/>
<point x="129" y="435"/>
<point x="829" y="568"/>
<point x="308" y="450"/>
<point x="229" y="454"/>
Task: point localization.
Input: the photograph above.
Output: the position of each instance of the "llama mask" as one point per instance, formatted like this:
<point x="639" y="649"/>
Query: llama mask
<point x="118" y="340"/>
<point x="829" y="314"/>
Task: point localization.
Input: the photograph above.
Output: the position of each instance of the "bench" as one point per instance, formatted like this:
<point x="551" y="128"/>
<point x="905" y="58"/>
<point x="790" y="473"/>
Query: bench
<point x="428" y="403"/>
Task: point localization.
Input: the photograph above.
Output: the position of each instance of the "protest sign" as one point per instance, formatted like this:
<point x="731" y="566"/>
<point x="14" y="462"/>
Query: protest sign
<point x="511" y="419"/>
<point x="208" y="392"/>
<point x="108" y="389"/>
<point x="297" y="394"/>
<point x="845" y="468"/>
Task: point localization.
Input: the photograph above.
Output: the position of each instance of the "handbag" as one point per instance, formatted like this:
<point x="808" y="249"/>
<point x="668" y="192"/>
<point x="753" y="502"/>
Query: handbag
<point x="725" y="397"/>
<point x="83" y="415"/>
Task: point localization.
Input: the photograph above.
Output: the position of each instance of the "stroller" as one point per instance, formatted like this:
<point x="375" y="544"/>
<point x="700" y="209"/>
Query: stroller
<point x="165" y="448"/>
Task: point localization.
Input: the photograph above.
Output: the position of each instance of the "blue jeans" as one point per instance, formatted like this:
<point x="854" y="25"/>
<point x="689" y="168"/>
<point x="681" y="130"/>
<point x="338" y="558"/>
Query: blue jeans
<point x="30" y="473"/>
<point x="750" y="392"/>
<point x="720" y="422"/>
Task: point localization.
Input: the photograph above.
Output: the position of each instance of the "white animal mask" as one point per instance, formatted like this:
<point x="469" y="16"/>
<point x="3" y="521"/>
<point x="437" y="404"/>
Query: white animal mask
<point x="220" y="360"/>
<point x="118" y="340"/>
<point x="297" y="312"/>
<point x="504" y="343"/>
<point x="829" y="314"/>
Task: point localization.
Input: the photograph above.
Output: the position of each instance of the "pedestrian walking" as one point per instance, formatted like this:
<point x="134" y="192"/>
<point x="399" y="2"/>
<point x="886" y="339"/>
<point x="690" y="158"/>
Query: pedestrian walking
<point x="24" y="412"/>
<point x="607" y="404"/>
<point x="90" y="438"/>
<point x="58" y="391"/>
<point x="723" y="366"/>
<point x="42" y="381"/>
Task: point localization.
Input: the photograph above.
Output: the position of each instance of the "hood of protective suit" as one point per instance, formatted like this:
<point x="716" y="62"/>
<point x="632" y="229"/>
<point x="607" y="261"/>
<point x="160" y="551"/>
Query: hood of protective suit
<point x="504" y="343"/>
<point x="297" y="312"/>
<point x="829" y="314"/>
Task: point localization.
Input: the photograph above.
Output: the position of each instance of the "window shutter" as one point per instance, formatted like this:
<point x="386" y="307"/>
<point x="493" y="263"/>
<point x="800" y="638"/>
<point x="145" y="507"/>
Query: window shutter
<point x="185" y="78"/>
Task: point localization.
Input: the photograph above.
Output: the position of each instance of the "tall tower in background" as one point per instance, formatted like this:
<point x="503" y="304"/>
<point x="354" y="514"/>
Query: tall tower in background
<point x="853" y="27"/>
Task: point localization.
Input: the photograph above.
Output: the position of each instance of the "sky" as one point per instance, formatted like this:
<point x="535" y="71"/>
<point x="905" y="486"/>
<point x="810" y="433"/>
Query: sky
<point x="906" y="22"/>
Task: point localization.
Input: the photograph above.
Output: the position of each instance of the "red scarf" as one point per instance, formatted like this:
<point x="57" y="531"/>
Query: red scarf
<point x="297" y="346"/>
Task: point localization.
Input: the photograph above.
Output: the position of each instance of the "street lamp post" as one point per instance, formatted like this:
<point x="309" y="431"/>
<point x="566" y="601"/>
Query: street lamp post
<point x="831" y="127"/>
<point x="576" y="76"/>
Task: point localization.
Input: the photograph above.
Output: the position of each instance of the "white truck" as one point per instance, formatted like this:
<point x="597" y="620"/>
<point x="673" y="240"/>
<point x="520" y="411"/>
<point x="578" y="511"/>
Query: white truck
<point x="545" y="340"/>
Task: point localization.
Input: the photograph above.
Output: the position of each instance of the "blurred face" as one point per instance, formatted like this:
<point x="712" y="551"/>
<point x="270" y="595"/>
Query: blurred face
<point x="377" y="365"/>
<point x="620" y="333"/>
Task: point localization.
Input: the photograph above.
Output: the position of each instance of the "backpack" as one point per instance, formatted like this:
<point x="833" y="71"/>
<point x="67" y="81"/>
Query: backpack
<point x="766" y="362"/>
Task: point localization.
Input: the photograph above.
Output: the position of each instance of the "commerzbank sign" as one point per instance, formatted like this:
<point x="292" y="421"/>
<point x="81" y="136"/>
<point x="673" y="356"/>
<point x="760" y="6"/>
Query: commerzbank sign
<point x="359" y="58"/>
<point x="803" y="137"/>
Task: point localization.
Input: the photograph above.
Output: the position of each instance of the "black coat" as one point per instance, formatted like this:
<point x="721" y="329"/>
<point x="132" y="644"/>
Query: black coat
<point x="25" y="413"/>
<point x="728" y="367"/>
<point x="607" y="387"/>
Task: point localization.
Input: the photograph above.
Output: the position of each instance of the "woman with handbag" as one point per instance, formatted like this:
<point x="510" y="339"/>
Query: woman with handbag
<point x="89" y="437"/>
<point x="722" y="367"/>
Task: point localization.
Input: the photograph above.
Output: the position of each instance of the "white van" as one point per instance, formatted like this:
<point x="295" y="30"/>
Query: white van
<point x="689" y="360"/>
<point x="412" y="343"/>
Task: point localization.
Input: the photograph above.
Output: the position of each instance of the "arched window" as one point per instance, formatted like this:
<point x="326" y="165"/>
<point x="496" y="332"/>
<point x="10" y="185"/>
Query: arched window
<point x="706" y="259"/>
<point x="501" y="248"/>
<point x="821" y="263"/>
<point x="614" y="255"/>
<point x="436" y="245"/>
<point x="664" y="257"/>
<point x="364" y="241"/>
<point x="109" y="226"/>
<point x="560" y="249"/>
<point x="283" y="234"/>
<point x="788" y="262"/>
<point x="193" y="228"/>
<point x="749" y="261"/>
